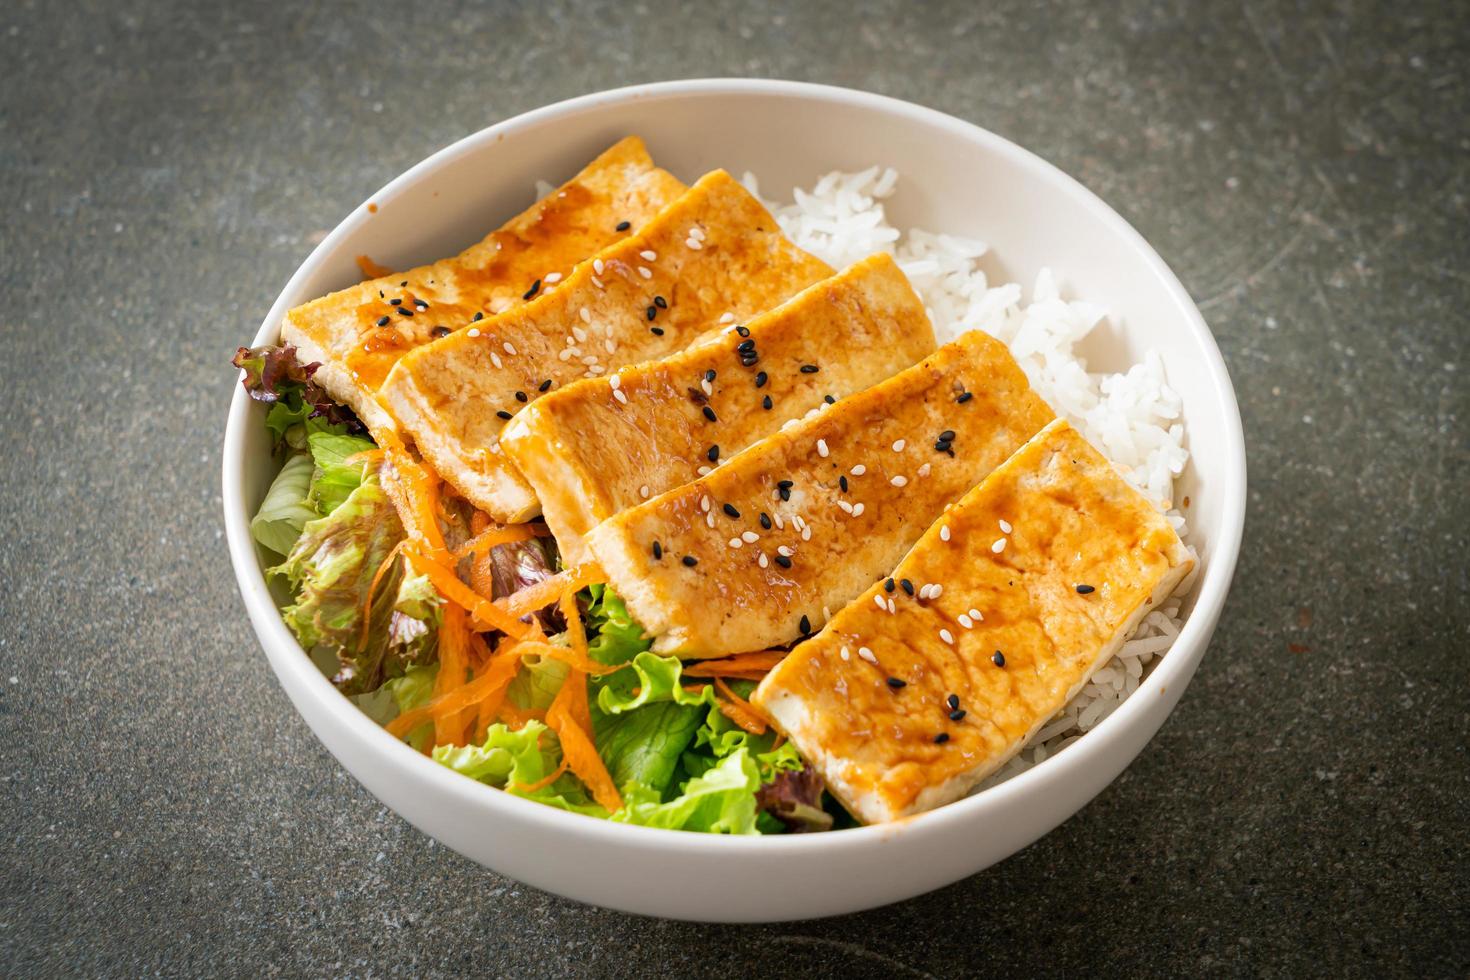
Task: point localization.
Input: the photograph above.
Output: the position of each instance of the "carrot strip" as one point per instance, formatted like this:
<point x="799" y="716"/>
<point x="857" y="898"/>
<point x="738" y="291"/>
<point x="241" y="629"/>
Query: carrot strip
<point x="503" y="665"/>
<point x="488" y="535"/>
<point x="738" y="710"/>
<point x="738" y="665"/>
<point x="449" y="727"/>
<point x="486" y="614"/>
<point x="571" y="719"/>
<point x="549" y="590"/>
<point x="516" y="717"/>
<point x="367" y="602"/>
<point x="569" y="656"/>
<point x="461" y="697"/>
<point x="481" y="579"/>
<point x="541" y="783"/>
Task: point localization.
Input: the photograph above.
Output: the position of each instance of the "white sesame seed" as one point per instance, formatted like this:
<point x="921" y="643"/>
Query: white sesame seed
<point x="762" y="561"/>
<point x="878" y="601"/>
<point x="858" y="470"/>
<point x="822" y="448"/>
<point x="735" y="542"/>
<point x="935" y="590"/>
<point x="509" y="348"/>
<point x="975" y="615"/>
<point x="965" y="621"/>
<point x="495" y="359"/>
<point x="610" y="346"/>
<point x="944" y="532"/>
<point x="899" y="480"/>
<point x="1005" y="527"/>
<point x="826" y="613"/>
<point x="892" y="608"/>
<point x="590" y="359"/>
<point x="709" y="519"/>
<point x="727" y="317"/>
<point x="645" y="272"/>
<point x="474" y="331"/>
<point x="596" y="369"/>
<point x="708" y="389"/>
<point x="704" y="503"/>
<point x="696" y="232"/>
<point x="565" y="355"/>
<point x="586" y="316"/>
<point x="643" y="491"/>
<point x="749" y="537"/>
<point x="867" y="655"/>
<point x="598" y="283"/>
<point x="618" y="394"/>
<point x="844" y="654"/>
<point x="703" y="470"/>
<point x="580" y="334"/>
<point x="784" y="551"/>
<point x="780" y="522"/>
<point x="924" y="470"/>
<point x="597" y="266"/>
<point x="551" y="277"/>
<point x="806" y="533"/>
<point x="845" y="506"/>
<point x="615" y="381"/>
<point x="898" y="445"/>
<point x="692" y="243"/>
<point x="648" y="254"/>
<point x="923" y="592"/>
<point x="857" y="510"/>
<point x="947" y="637"/>
<point x="999" y="546"/>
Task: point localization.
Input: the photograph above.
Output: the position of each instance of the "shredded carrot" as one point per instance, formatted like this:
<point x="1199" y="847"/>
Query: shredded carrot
<point x="367" y="602"/>
<point x="740" y="665"/>
<point x="571" y="719"/>
<point x="739" y="710"/>
<point x="488" y="535"/>
<point x="366" y="456"/>
<point x="516" y="717"/>
<point x="503" y="665"/>
<point x="481" y="579"/>
<point x="541" y="783"/>
<point x="486" y="614"/>
<point x="569" y="656"/>
<point x="780" y="740"/>
<point x="371" y="269"/>
<point x="549" y="590"/>
<point x="415" y="493"/>
<point x="482" y="686"/>
<point x="454" y="643"/>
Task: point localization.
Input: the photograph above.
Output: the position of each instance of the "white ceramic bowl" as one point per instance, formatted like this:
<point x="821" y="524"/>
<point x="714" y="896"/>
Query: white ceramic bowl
<point x="955" y="177"/>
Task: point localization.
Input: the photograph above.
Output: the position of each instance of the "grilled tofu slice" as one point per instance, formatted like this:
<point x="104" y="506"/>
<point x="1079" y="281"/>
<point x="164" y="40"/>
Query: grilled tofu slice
<point x="602" y="445"/>
<point x="714" y="252"/>
<point x="846" y="493"/>
<point x="907" y="701"/>
<point x="542" y="243"/>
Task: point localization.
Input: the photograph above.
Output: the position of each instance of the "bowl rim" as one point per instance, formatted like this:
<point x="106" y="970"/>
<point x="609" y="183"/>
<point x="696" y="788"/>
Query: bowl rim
<point x="295" y="668"/>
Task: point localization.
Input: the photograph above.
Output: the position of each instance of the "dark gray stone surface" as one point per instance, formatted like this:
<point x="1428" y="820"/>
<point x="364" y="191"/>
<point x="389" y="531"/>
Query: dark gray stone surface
<point x="1303" y="167"/>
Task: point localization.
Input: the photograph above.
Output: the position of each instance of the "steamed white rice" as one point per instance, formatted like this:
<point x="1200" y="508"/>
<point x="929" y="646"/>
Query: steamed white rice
<point x="1133" y="417"/>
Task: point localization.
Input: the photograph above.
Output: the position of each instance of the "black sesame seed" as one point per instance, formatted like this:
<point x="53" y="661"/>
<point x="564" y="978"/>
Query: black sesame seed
<point x="1085" y="590"/>
<point x="745" y="345"/>
<point x="405" y="282"/>
<point x="953" y="701"/>
<point x="957" y="715"/>
<point x="440" y="331"/>
<point x="907" y="585"/>
<point x="503" y="414"/>
<point x="749" y="360"/>
<point x="785" y="484"/>
<point x="760" y="379"/>
<point x="544" y="386"/>
<point x="477" y="317"/>
<point x="710" y="375"/>
<point x="999" y="659"/>
<point x="829" y="399"/>
<point x="404" y="311"/>
<point x="785" y="493"/>
<point x="783" y="561"/>
<point x="656" y="331"/>
<point x="766" y="403"/>
<point x="730" y="511"/>
<point x="421" y="304"/>
<point x="652" y="312"/>
<point x="809" y="369"/>
<point x="382" y="321"/>
<point x="535" y="288"/>
<point x="965" y="397"/>
<point x="765" y="520"/>
<point x="888" y="585"/>
<point x="709" y="413"/>
<point x="396" y="301"/>
<point x="947" y="435"/>
<point x="941" y="738"/>
<point x="897" y="682"/>
<point x="660" y="302"/>
<point x="521" y="396"/>
<point x="743" y="331"/>
<point x="690" y="560"/>
<point x="805" y="625"/>
<point x="713" y="454"/>
<point x="623" y="226"/>
<point x="942" y="446"/>
<point x="658" y="551"/>
<point x="842" y="482"/>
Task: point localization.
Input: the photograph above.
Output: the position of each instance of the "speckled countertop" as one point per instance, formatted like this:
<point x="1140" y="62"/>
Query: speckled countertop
<point x="1303" y="168"/>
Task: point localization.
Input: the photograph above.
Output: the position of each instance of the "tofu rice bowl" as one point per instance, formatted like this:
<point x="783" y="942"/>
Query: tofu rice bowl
<point x="671" y="505"/>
